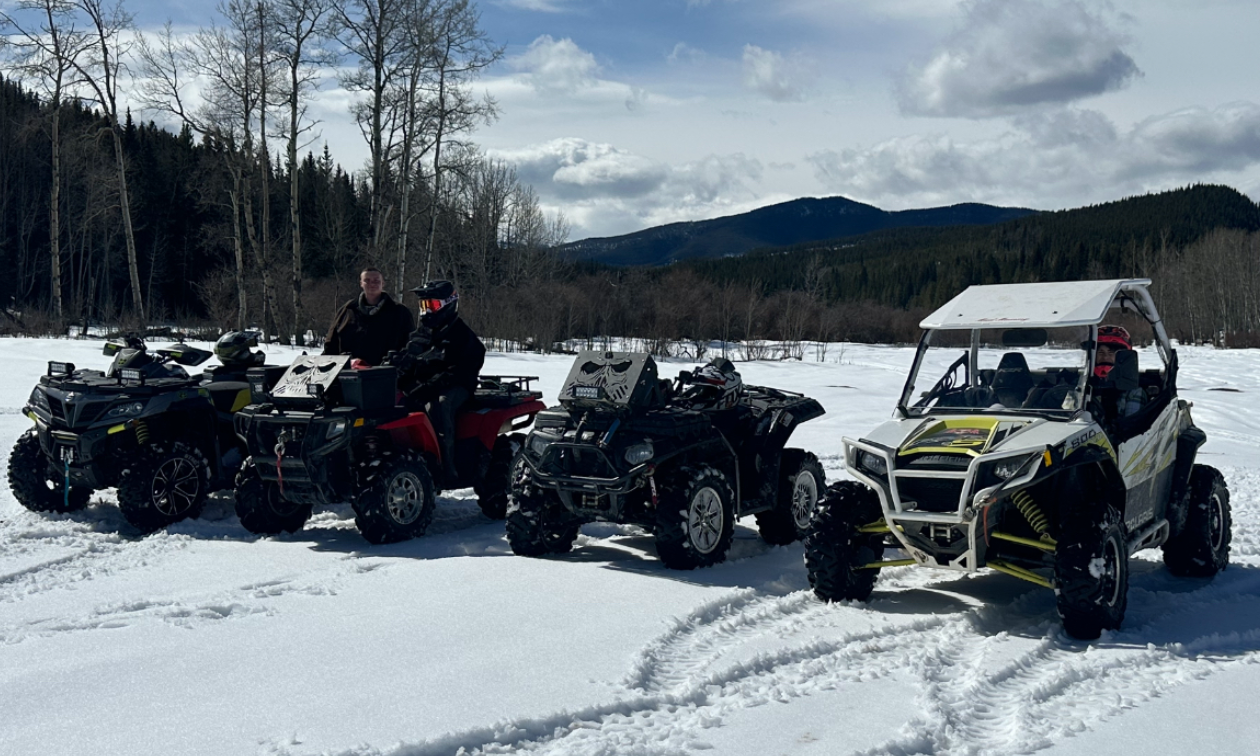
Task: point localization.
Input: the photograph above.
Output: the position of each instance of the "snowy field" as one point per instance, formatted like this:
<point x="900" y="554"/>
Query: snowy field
<point x="205" y="639"/>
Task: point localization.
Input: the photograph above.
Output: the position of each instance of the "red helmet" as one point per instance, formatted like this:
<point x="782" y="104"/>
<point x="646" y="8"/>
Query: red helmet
<point x="1115" y="337"/>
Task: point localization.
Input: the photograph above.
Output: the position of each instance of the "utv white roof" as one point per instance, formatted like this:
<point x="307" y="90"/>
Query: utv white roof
<point x="1034" y="305"/>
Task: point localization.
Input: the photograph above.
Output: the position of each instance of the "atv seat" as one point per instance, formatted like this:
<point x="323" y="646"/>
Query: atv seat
<point x="1013" y="380"/>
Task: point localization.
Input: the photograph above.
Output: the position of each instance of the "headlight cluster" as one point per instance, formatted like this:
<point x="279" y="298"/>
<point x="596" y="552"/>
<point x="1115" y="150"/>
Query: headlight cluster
<point x="130" y="409"/>
<point x="1005" y="469"/>
<point x="38" y="399"/>
<point x="538" y="442"/>
<point x="871" y="463"/>
<point x="335" y="428"/>
<point x="639" y="453"/>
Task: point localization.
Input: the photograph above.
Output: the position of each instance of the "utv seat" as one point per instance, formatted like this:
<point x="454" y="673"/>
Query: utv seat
<point x="1013" y="380"/>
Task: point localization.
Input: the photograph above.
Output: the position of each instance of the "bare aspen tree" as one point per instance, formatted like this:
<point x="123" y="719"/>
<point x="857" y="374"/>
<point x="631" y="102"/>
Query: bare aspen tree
<point x="225" y="60"/>
<point x="418" y="25"/>
<point x="300" y="29"/>
<point x="461" y="52"/>
<point x="44" y="54"/>
<point x="100" y="68"/>
<point x="373" y="34"/>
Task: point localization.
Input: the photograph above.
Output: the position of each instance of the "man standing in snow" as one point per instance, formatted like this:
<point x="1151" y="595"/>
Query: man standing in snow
<point x="370" y="325"/>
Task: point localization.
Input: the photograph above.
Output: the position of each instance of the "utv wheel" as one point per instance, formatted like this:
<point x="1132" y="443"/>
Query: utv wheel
<point x="34" y="485"/>
<point x="801" y="484"/>
<point x="1202" y="547"/>
<point x="397" y="501"/>
<point x="164" y="484"/>
<point x="537" y="523"/>
<point x="1091" y="572"/>
<point x="695" y="519"/>
<point x="261" y="507"/>
<point x="492" y="488"/>
<point x="836" y="551"/>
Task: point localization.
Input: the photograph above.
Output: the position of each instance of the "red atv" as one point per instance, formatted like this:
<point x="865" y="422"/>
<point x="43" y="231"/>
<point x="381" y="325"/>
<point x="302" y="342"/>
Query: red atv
<point x="321" y="434"/>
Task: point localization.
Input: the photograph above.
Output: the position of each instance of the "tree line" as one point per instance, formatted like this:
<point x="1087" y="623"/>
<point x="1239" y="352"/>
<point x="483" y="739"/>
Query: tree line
<point x="233" y="219"/>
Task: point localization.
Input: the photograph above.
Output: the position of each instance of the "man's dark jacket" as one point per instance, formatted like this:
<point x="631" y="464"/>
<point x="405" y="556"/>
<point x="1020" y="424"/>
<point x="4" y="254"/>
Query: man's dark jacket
<point x="463" y="356"/>
<point x="369" y="336"/>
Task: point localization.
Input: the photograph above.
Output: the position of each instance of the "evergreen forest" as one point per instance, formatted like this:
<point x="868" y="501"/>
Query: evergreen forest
<point x="240" y="218"/>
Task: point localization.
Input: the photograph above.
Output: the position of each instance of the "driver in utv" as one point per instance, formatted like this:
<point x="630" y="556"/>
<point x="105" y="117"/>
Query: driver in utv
<point x="1112" y="340"/>
<point x="438" y="372"/>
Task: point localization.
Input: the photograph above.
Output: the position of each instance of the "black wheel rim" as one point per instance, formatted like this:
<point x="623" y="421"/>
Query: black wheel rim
<point x="176" y="485"/>
<point x="1216" y="521"/>
<point x="1109" y="579"/>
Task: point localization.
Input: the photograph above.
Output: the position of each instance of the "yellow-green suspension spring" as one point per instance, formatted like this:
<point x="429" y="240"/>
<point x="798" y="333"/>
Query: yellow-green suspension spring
<point x="142" y="432"/>
<point x="1031" y="512"/>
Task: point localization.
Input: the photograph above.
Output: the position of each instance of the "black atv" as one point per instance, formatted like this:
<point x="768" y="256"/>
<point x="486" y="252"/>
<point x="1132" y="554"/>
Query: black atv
<point x="162" y="437"/>
<point x="326" y="433"/>
<point x="627" y="447"/>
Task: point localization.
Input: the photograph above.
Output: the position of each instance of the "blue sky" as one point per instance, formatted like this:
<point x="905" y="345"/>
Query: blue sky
<point x="633" y="113"/>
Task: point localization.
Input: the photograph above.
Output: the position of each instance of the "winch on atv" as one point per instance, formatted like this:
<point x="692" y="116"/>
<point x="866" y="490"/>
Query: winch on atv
<point x="682" y="459"/>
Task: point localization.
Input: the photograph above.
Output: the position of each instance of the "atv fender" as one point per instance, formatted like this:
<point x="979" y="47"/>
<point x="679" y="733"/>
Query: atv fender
<point x="415" y="431"/>
<point x="487" y="424"/>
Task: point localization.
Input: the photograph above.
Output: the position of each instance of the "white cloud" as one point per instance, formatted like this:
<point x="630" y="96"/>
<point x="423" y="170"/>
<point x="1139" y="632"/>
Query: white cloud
<point x="768" y="73"/>
<point x="604" y="190"/>
<point x="1011" y="55"/>
<point x="1066" y="158"/>
<point x="557" y="65"/>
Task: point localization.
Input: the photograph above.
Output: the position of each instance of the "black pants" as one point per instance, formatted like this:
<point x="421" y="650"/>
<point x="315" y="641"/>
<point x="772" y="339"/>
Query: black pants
<point x="442" y="408"/>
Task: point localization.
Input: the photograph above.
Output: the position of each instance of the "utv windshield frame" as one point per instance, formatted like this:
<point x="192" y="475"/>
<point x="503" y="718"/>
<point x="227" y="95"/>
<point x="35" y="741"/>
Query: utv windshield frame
<point x="1131" y="295"/>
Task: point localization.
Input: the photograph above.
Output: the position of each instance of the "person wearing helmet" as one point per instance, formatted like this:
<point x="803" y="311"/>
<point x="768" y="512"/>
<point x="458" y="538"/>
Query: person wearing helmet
<point x="1113" y="339"/>
<point x="447" y="360"/>
<point x="371" y="325"/>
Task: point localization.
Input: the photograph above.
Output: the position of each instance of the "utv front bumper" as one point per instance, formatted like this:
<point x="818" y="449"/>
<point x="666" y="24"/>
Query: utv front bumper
<point x="944" y="518"/>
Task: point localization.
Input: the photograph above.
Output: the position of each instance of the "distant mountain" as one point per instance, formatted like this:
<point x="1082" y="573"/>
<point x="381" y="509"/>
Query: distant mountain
<point x="925" y="266"/>
<point x="789" y="223"/>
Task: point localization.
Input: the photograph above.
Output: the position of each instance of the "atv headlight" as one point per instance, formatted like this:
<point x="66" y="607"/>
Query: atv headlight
<point x="39" y="399"/>
<point x="335" y="428"/>
<point x="539" y="442"/>
<point x="639" y="453"/>
<point x="872" y="463"/>
<point x="130" y="409"/>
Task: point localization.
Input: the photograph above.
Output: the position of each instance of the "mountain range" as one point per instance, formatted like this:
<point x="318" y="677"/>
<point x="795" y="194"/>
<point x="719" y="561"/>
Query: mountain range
<point x="788" y="223"/>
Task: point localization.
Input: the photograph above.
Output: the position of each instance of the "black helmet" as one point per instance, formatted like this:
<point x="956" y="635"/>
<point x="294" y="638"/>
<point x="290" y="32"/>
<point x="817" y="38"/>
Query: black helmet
<point x="232" y="348"/>
<point x="716" y="385"/>
<point x="439" y="304"/>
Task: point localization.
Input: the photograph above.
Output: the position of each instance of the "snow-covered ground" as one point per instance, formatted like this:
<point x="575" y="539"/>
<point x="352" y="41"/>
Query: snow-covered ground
<point x="204" y="639"/>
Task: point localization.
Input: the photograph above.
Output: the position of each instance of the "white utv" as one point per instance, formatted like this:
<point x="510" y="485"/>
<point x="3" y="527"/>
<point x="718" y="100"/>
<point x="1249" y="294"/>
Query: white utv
<point x="1007" y="451"/>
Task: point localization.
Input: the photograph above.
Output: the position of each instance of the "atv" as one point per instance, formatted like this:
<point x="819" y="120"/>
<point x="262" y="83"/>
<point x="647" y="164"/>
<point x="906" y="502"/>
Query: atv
<point x="1013" y="448"/>
<point x="628" y="447"/>
<point x="163" y="438"/>
<point x="326" y="433"/>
